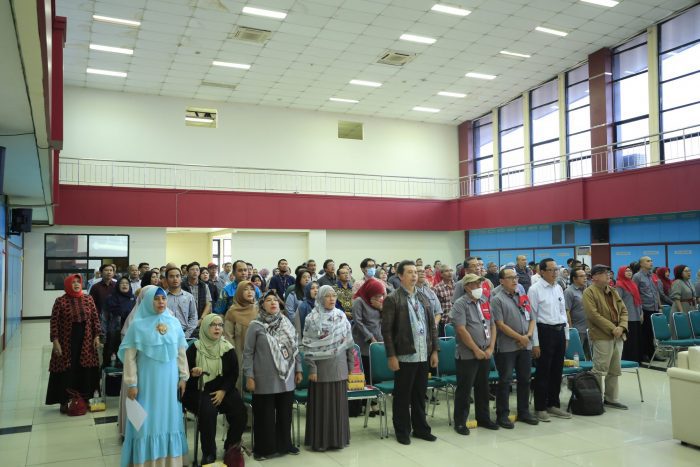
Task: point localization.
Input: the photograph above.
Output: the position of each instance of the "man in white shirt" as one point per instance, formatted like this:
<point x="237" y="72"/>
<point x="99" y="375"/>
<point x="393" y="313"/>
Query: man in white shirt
<point x="549" y="309"/>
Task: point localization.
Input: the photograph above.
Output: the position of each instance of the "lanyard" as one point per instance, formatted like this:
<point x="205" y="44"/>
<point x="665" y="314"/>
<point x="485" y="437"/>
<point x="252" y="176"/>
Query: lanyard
<point x="413" y="302"/>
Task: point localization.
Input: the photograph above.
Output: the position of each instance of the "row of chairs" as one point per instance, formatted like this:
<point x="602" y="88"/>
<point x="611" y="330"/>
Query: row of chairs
<point x="687" y="332"/>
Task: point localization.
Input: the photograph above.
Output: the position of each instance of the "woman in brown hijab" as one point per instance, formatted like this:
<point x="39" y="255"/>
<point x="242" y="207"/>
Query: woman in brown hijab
<point x="243" y="310"/>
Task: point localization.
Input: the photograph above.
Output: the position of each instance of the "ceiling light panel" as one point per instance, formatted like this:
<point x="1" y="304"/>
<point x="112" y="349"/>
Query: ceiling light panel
<point x="251" y="10"/>
<point x="554" y="32"/>
<point x="514" y="54"/>
<point x="484" y="76"/>
<point x="605" y="3"/>
<point x="113" y="20"/>
<point x="451" y="94"/>
<point x="116" y="50"/>
<point x="98" y="71"/>
<point x="240" y="66"/>
<point x="426" y="109"/>
<point x="341" y="99"/>
<point x="449" y="9"/>
<point x="418" y="39"/>
<point x="360" y="82"/>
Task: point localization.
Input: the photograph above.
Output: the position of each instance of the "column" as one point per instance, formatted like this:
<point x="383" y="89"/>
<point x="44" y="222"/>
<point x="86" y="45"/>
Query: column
<point x="600" y="91"/>
<point x="653" y="82"/>
<point x="466" y="158"/>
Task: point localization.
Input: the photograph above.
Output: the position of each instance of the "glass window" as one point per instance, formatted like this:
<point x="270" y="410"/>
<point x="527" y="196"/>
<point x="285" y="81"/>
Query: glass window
<point x="512" y="144"/>
<point x="482" y="131"/>
<point x="631" y="97"/>
<point x="544" y="115"/>
<point x="545" y="123"/>
<point x="109" y="246"/>
<point x="680" y="30"/>
<point x="61" y="245"/>
<point x="578" y="122"/>
<point x="511" y="114"/>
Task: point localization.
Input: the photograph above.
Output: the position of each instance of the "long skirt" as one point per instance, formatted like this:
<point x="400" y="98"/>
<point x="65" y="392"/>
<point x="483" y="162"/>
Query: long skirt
<point x="161" y="439"/>
<point x="84" y="380"/>
<point x="327" y="424"/>
<point x="631" y="349"/>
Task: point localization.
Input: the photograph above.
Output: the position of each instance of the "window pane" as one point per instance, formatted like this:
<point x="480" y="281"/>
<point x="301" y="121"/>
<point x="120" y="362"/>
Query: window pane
<point x="484" y="165"/>
<point x="227" y="249"/>
<point x="580" y="168"/>
<point x="631" y="97"/>
<point x="109" y="246"/>
<point x="640" y="39"/>
<point x="546" y="174"/>
<point x="631" y="158"/>
<point x="54" y="280"/>
<point x="215" y="247"/>
<point x="680" y="62"/>
<point x="513" y="158"/>
<point x="511" y="139"/>
<point x="483" y="140"/>
<point x="680" y="118"/>
<point x="578" y="74"/>
<point x="66" y="245"/>
<point x="484" y="185"/>
<point x="580" y="119"/>
<point x="577" y="96"/>
<point x="681" y="91"/>
<point x="680" y="30"/>
<point x="546" y="151"/>
<point x="483" y="120"/>
<point x="66" y="264"/>
<point x="511" y="115"/>
<point x="628" y="133"/>
<point x="545" y="94"/>
<point x="512" y="180"/>
<point x="630" y="62"/>
<point x="545" y="123"/>
<point x="580" y="144"/>
<point x="634" y="153"/>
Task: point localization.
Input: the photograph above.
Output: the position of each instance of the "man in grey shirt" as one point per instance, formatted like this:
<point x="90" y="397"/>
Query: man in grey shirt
<point x="573" y="296"/>
<point x="516" y="329"/>
<point x="475" y="339"/>
<point x="649" y="294"/>
<point x="181" y="303"/>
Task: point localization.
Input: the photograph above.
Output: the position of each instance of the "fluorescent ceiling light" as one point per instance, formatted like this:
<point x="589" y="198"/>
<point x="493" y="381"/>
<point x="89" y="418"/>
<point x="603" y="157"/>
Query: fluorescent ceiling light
<point x="450" y="10"/>
<point x="426" y="109"/>
<point x="109" y="19"/>
<point x="607" y="3"/>
<point x="480" y="75"/>
<point x="360" y="82"/>
<point x="96" y="71"/>
<point x="514" y="54"/>
<point x="551" y="31"/>
<point x="199" y="119"/>
<point x="340" y="99"/>
<point x="116" y="50"/>
<point x="240" y="66"/>
<point x="451" y="94"/>
<point x="250" y="10"/>
<point x="419" y="39"/>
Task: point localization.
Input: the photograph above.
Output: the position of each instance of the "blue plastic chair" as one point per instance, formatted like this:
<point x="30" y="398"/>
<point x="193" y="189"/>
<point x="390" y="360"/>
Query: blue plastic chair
<point x="450" y="330"/>
<point x="301" y="396"/>
<point x="682" y="325"/>
<point x="694" y="317"/>
<point x="380" y="376"/>
<point x="576" y="347"/>
<point x="663" y="340"/>
<point x="666" y="310"/>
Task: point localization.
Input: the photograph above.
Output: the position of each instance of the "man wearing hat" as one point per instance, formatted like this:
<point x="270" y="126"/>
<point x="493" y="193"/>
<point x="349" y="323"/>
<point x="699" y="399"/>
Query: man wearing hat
<point x="476" y="339"/>
<point x="607" y="328"/>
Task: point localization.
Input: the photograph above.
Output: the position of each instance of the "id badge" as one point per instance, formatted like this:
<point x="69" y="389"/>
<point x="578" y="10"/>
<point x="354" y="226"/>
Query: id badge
<point x="285" y="352"/>
<point x="527" y="315"/>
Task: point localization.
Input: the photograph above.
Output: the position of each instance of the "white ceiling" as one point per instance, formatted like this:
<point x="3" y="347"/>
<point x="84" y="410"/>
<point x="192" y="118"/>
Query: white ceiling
<point x="323" y="44"/>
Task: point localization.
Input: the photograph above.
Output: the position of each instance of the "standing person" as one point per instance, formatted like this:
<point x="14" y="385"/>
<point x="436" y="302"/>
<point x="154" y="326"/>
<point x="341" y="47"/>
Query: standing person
<point x="607" y="323"/>
<point x="382" y="276"/>
<point x="104" y="288"/>
<point x="305" y="307"/>
<point x="411" y="342"/>
<point x="697" y="284"/>
<point x="239" y="316"/>
<point x="311" y="267"/>
<point x="75" y="335"/>
<point x="328" y="277"/>
<point x="134" y="277"/>
<point x="423" y="286"/>
<point x="343" y="288"/>
<point x="682" y="292"/>
<point x="629" y="293"/>
<point x="664" y="285"/>
<point x="199" y="290"/>
<point x="214" y="360"/>
<point x="282" y="280"/>
<point x="204" y="276"/>
<point x="272" y="368"/>
<point x="547" y="302"/>
<point x="155" y="373"/>
<point x="143" y="267"/>
<point x="573" y="296"/>
<point x="444" y="291"/>
<point x="240" y="272"/>
<point x="524" y="272"/>
<point x="563" y="278"/>
<point x="149" y="278"/>
<point x="225" y="274"/>
<point x="367" y="325"/>
<point x="492" y="273"/>
<point x="117" y="308"/>
<point x="516" y="329"/>
<point x="329" y="354"/>
<point x="180" y="302"/>
<point x="368" y="267"/>
<point x="296" y="296"/>
<point x="651" y="303"/>
<point x="476" y="339"/>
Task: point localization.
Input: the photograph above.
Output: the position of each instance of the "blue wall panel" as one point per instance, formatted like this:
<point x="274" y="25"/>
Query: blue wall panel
<point x="685" y="254"/>
<point x="652" y="229"/>
<point x="487" y="256"/>
<point x="624" y="255"/>
<point x="508" y="256"/>
<point x="524" y="237"/>
<point x="560" y="255"/>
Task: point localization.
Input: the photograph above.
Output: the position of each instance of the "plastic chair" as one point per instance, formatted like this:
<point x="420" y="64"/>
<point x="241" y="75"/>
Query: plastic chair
<point x="450" y="330"/>
<point x="380" y="376"/>
<point x="301" y="395"/>
<point x="663" y="340"/>
<point x="367" y="394"/>
<point x="694" y="317"/>
<point x="576" y="347"/>
<point x="682" y="325"/>
<point x="666" y="310"/>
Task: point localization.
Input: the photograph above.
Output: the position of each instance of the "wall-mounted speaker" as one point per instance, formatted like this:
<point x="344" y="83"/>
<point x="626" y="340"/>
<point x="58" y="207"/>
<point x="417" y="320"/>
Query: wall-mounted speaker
<point x="20" y="221"/>
<point x="600" y="231"/>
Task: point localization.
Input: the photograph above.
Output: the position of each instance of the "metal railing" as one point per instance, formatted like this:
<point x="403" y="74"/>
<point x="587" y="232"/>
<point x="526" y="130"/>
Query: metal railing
<point x="677" y="145"/>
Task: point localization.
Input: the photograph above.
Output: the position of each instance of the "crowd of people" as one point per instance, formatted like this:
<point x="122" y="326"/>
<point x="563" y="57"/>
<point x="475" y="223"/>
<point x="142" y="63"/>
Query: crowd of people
<point x="249" y="328"/>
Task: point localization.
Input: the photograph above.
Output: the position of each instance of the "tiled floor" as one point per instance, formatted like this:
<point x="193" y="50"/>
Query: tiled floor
<point x="638" y="437"/>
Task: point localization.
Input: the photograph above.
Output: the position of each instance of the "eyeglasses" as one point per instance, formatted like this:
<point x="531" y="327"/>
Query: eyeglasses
<point x="511" y="277"/>
<point x="216" y="325"/>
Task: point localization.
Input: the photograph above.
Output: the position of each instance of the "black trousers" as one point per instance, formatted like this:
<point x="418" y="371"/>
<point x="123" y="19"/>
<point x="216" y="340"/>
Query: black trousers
<point x="631" y="349"/>
<point x="272" y="423"/>
<point x="521" y="361"/>
<point x="408" y="407"/>
<point x="550" y="366"/>
<point x="236" y="415"/>
<point x="472" y="374"/>
<point x="646" y="344"/>
<point x="112" y="341"/>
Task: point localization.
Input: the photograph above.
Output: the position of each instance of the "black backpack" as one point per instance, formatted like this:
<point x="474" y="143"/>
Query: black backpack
<point x="586" y="396"/>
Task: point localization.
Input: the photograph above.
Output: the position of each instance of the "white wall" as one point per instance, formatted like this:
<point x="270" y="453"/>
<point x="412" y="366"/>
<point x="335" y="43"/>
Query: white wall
<point x="264" y="249"/>
<point x="184" y="248"/>
<point x="120" y="126"/>
<point x="145" y="244"/>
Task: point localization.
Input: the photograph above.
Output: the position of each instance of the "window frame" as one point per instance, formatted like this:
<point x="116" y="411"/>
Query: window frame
<point x="547" y="162"/>
<point x="478" y="176"/>
<point x="509" y="171"/>
<point x="586" y="154"/>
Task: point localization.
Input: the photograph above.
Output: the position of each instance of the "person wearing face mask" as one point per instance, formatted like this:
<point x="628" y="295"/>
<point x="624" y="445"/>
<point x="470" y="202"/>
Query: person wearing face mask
<point x="155" y="373"/>
<point x="367" y="325"/>
<point x="368" y="267"/>
<point x="476" y="339"/>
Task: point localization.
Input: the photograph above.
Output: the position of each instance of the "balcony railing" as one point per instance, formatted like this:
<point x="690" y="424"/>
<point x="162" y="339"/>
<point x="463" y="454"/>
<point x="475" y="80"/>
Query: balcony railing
<point x="676" y="146"/>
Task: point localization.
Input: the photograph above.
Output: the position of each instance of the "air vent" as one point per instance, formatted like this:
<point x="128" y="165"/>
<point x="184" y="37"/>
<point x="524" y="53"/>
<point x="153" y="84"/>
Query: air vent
<point x="212" y="84"/>
<point x="393" y="58"/>
<point x="200" y="117"/>
<point x="243" y="33"/>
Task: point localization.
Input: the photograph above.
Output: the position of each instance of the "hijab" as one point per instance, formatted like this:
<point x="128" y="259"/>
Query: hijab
<point x="209" y="350"/>
<point x="281" y="337"/>
<point x="371" y="288"/>
<point x="130" y="318"/>
<point x="326" y="332"/>
<point x="241" y="311"/>
<point x="68" y="286"/>
<point x="628" y="284"/>
<point x="157" y="335"/>
<point x="121" y="302"/>
<point x="661" y="274"/>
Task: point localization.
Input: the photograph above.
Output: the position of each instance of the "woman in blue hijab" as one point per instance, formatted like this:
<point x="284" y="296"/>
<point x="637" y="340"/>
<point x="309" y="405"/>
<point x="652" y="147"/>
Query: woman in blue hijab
<point x="155" y="372"/>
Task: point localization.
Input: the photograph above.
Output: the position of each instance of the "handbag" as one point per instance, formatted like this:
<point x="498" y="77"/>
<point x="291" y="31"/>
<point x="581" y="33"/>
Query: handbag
<point x="234" y="457"/>
<point x="76" y="405"/>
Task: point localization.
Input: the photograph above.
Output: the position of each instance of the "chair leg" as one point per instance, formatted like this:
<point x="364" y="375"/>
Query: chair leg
<point x="639" y="381"/>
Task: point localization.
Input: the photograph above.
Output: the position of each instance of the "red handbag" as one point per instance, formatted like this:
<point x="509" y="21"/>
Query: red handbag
<point x="234" y="457"/>
<point x="76" y="405"/>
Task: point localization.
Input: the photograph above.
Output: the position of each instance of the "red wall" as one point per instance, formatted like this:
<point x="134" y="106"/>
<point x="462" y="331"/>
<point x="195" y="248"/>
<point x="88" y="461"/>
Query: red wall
<point x="655" y="190"/>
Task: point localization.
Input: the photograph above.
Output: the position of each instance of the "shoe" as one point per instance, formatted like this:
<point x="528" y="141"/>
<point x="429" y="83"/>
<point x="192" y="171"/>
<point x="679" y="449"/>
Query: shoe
<point x="209" y="459"/>
<point x="489" y="425"/>
<point x="259" y="457"/>
<point x="542" y="416"/>
<point x="293" y="450"/>
<point x="63" y="408"/>
<point x="462" y="430"/>
<point x="557" y="412"/>
<point x="425" y="436"/>
<point x="504" y="422"/>
<point x="403" y="439"/>
<point x="529" y="419"/>
<point x="615" y="405"/>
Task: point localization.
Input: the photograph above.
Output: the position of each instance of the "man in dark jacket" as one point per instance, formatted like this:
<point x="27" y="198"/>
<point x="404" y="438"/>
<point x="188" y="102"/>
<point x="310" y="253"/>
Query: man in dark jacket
<point x="411" y="342"/>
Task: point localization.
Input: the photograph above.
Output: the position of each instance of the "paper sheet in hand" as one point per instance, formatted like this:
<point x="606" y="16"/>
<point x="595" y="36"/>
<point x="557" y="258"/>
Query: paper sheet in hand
<point x="135" y="413"/>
